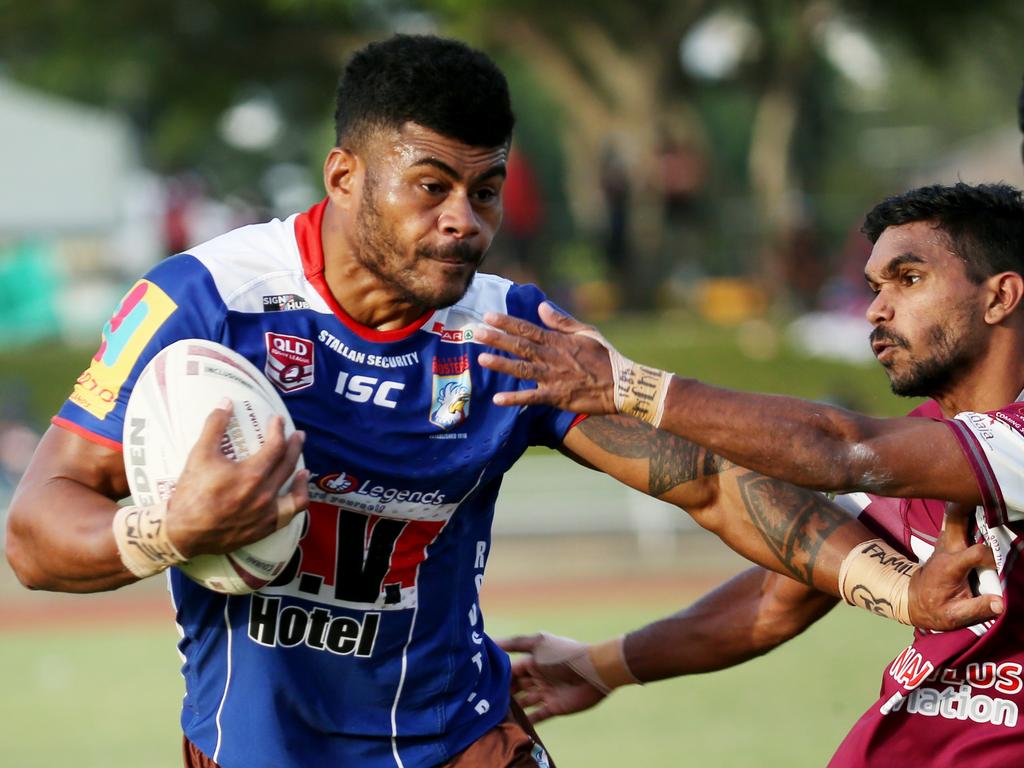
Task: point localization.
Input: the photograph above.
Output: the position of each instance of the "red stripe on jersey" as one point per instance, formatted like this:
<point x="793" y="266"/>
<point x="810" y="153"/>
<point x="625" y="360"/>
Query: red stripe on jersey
<point x="319" y="545"/>
<point x="81" y="431"/>
<point x="311" y="249"/>
<point x="411" y="550"/>
<point x="991" y="495"/>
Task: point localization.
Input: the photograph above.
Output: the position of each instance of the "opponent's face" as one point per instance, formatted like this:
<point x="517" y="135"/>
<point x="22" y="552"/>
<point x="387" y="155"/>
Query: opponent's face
<point x="928" y="316"/>
<point x="429" y="208"/>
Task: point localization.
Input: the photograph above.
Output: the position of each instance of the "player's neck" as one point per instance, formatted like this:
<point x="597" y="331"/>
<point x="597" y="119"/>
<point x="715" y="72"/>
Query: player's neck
<point x="994" y="381"/>
<point x="363" y="295"/>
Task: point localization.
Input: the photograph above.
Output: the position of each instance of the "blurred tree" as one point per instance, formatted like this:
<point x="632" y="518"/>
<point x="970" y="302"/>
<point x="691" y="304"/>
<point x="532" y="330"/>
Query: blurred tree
<point x="175" y="68"/>
<point x="614" y="69"/>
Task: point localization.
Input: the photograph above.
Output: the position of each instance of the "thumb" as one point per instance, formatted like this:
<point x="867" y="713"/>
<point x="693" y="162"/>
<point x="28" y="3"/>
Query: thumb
<point x="559" y="321"/>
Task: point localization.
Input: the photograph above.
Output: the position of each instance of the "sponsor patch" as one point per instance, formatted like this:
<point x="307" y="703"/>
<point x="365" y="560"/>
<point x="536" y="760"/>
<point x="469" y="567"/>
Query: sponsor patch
<point x="289" y="361"/>
<point x="457" y="335"/>
<point x="1013" y="417"/>
<point x="453" y="387"/>
<point x="283" y="302"/>
<point x="136" y="320"/>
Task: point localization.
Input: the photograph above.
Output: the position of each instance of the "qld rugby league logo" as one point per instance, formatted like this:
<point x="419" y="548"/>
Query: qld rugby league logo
<point x="449" y="405"/>
<point x="289" y="361"/>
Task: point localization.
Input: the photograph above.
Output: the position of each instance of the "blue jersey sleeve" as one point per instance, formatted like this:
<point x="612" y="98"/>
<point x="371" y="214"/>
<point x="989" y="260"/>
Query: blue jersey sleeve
<point x="548" y="425"/>
<point x="176" y="300"/>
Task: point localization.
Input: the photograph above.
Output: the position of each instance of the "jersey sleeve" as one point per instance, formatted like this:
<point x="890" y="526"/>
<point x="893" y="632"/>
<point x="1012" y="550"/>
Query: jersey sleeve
<point x="994" y="446"/>
<point x="176" y="300"/>
<point x="548" y="425"/>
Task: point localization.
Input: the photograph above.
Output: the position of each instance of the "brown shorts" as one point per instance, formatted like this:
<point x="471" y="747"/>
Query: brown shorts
<point x="512" y="743"/>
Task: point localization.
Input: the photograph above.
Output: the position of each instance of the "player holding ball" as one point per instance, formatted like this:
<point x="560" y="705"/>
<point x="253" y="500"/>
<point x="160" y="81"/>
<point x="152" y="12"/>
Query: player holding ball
<point x="369" y="649"/>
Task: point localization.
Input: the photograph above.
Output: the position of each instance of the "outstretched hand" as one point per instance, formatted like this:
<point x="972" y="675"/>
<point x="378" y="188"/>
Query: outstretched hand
<point x="544" y="682"/>
<point x="569" y="361"/>
<point x="940" y="598"/>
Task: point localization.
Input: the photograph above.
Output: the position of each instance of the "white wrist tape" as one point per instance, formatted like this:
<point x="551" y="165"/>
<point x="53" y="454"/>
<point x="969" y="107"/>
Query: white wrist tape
<point x="640" y="390"/>
<point x="142" y="540"/>
<point x="877" y="578"/>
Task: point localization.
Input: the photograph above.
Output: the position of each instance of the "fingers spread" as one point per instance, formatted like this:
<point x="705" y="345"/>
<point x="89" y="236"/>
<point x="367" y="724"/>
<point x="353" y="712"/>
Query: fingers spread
<point x="515" y="326"/>
<point x="559" y="321"/>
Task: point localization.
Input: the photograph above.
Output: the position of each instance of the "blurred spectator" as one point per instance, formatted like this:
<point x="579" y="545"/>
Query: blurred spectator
<point x="679" y="176"/>
<point x="523" y="220"/>
<point x="615" y="188"/>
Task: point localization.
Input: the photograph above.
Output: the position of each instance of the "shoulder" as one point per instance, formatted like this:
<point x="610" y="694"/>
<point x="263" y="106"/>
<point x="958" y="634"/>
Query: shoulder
<point x="242" y="263"/>
<point x="488" y="293"/>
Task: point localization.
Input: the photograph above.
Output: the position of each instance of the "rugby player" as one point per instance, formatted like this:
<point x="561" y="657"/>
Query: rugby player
<point x="370" y="649"/>
<point x="946" y="270"/>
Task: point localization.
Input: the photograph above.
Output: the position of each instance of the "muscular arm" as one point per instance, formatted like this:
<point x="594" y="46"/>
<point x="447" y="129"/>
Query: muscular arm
<point x="799" y="441"/>
<point x="58" y="530"/>
<point x="822" y="447"/>
<point x="745" y="617"/>
<point x="60" y="535"/>
<point x="784" y="528"/>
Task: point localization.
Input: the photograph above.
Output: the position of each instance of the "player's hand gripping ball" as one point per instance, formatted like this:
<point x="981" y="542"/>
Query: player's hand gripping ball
<point x="174" y="394"/>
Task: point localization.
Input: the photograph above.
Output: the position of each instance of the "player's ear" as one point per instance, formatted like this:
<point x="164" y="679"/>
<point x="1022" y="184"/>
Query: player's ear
<point x="343" y="172"/>
<point x="1005" y="291"/>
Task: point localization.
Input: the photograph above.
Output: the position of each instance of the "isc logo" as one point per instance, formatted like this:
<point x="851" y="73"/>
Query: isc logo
<point x="360" y="389"/>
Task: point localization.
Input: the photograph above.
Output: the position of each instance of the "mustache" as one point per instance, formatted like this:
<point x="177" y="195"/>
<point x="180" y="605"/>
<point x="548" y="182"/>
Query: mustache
<point x="881" y="334"/>
<point x="460" y="251"/>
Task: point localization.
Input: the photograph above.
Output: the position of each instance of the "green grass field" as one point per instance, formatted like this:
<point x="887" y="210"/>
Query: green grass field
<point x="109" y="698"/>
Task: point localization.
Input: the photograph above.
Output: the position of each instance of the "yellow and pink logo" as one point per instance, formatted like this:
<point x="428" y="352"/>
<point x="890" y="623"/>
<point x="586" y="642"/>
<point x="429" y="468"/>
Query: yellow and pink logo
<point x="138" y="317"/>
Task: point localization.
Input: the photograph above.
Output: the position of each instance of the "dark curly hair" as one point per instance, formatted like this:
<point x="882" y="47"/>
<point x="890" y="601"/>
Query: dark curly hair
<point x="984" y="223"/>
<point x="441" y="84"/>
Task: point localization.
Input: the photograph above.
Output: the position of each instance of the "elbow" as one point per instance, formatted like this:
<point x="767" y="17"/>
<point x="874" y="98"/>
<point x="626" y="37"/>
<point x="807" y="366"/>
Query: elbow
<point x="22" y="565"/>
<point x="19" y="554"/>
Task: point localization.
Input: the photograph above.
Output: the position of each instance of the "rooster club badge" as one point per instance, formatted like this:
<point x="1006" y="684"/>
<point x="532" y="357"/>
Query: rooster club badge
<point x="449" y="406"/>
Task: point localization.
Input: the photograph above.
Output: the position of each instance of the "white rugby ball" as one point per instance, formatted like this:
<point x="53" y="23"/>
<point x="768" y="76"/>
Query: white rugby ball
<point x="174" y="394"/>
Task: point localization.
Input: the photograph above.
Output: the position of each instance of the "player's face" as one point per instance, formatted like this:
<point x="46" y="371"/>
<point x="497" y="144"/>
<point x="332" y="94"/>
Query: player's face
<point x="430" y="207"/>
<point x="927" y="314"/>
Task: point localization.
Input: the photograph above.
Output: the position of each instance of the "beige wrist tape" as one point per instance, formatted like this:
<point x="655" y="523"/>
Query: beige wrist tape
<point x="608" y="660"/>
<point x="877" y="578"/>
<point x="142" y="540"/>
<point x="640" y="390"/>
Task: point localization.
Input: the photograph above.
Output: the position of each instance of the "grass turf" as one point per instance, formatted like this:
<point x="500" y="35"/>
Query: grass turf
<point x="109" y="698"/>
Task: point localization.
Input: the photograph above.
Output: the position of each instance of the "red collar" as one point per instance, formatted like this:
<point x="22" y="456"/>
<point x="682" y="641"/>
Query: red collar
<point x="311" y="250"/>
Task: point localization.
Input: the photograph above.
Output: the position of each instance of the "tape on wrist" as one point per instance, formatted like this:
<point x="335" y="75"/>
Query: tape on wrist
<point x="640" y="390"/>
<point x="142" y="540"/>
<point x="608" y="662"/>
<point x="876" y="577"/>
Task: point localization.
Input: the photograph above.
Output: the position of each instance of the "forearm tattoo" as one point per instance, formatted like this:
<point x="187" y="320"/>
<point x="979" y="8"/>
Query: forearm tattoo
<point x="793" y="521"/>
<point x="672" y="460"/>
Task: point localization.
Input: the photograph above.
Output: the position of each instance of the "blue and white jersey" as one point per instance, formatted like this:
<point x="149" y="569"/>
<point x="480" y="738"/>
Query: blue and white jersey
<point x="370" y="649"/>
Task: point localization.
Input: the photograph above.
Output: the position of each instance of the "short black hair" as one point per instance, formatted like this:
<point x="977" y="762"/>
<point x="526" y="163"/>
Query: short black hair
<point x="984" y="223"/>
<point x="441" y="84"/>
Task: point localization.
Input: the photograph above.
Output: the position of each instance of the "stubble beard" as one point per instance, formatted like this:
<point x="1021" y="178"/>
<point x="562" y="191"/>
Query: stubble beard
<point x="953" y="352"/>
<point x="379" y="252"/>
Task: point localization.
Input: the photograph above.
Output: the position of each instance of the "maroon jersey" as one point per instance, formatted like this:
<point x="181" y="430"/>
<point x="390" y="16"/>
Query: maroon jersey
<point x="955" y="698"/>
